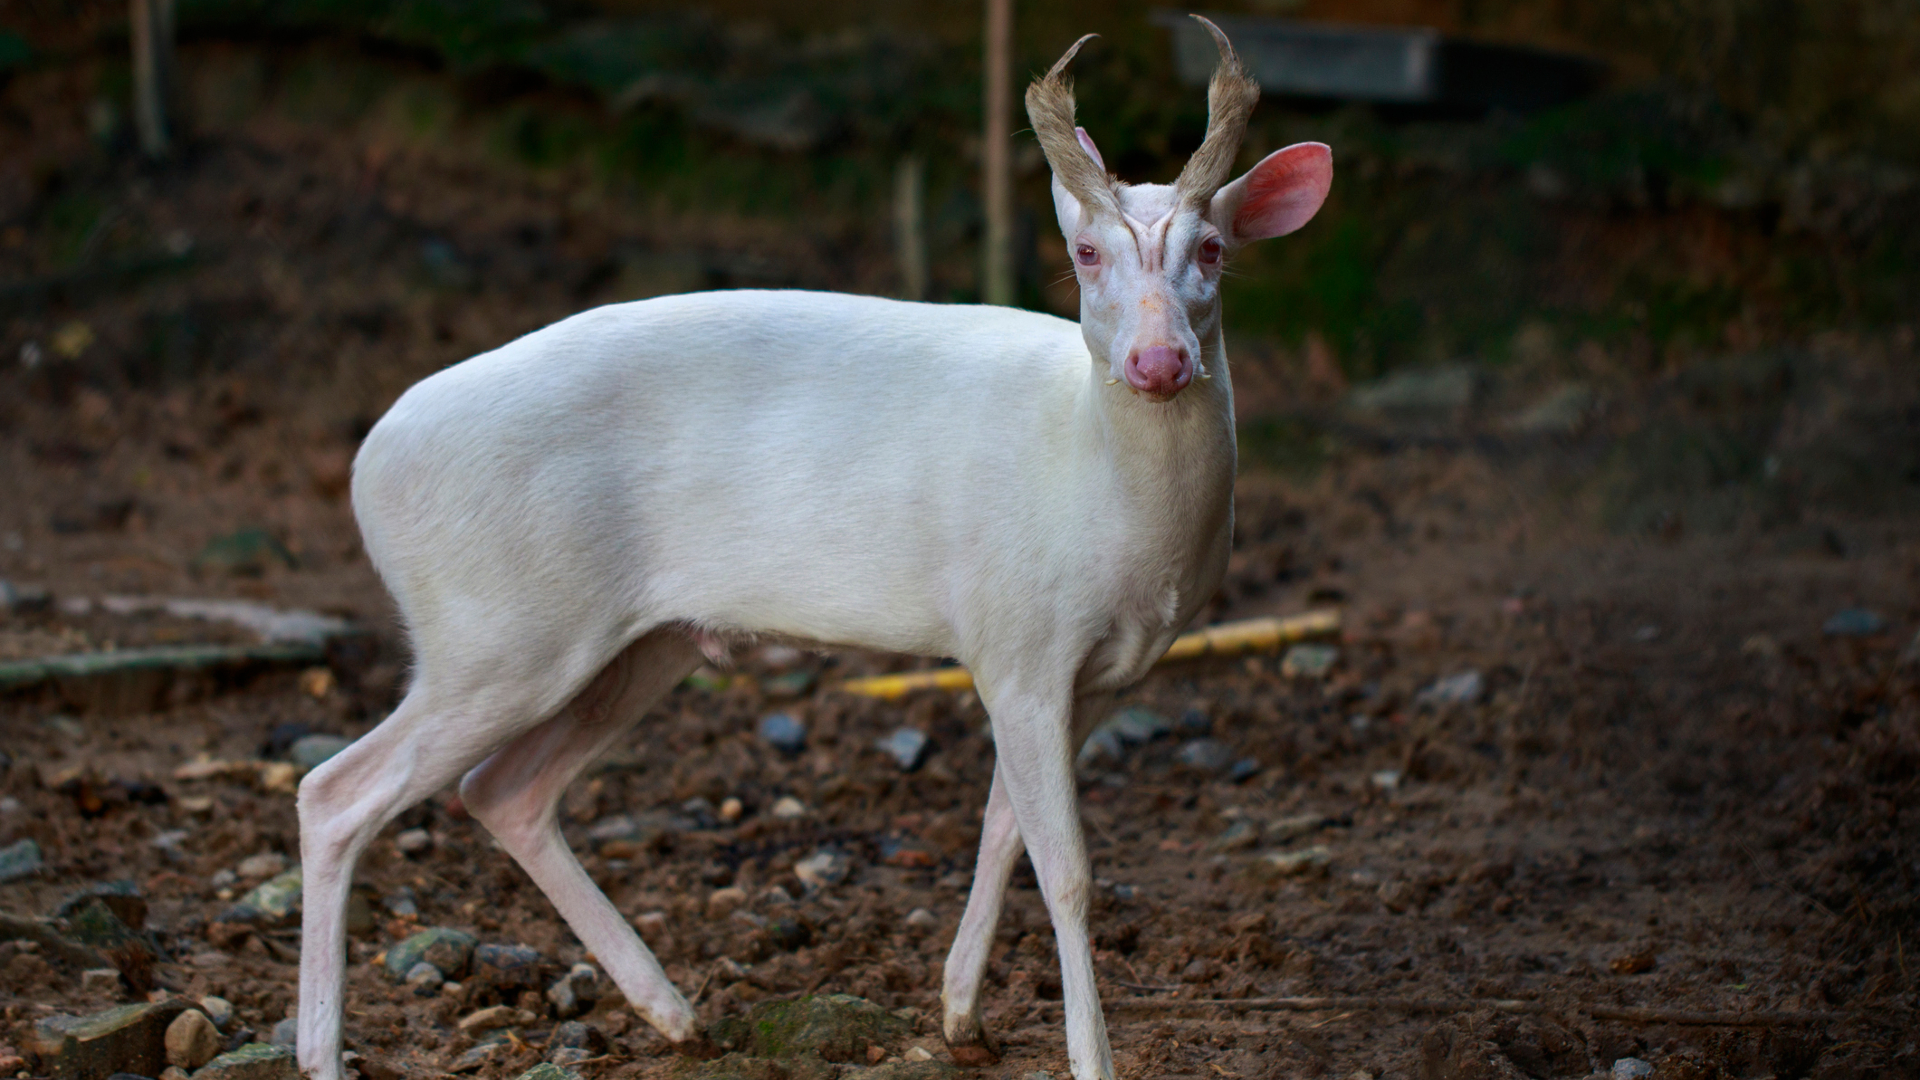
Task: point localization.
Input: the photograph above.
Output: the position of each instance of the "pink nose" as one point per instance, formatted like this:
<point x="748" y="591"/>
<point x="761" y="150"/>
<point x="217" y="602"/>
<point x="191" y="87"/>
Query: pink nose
<point x="1160" y="371"/>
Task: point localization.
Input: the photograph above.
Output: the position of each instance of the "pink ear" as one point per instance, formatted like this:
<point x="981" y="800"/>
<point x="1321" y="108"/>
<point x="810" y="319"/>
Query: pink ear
<point x="1278" y="195"/>
<point x="1086" y="143"/>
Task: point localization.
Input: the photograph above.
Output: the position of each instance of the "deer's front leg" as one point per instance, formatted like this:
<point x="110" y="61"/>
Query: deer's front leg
<point x="1033" y="750"/>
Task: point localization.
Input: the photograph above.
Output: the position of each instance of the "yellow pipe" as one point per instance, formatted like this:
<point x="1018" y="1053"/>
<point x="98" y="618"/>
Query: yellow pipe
<point x="1227" y="639"/>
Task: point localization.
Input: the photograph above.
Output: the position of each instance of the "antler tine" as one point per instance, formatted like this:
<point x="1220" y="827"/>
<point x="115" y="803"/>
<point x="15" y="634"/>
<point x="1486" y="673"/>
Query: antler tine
<point x="1050" y="107"/>
<point x="1231" y="96"/>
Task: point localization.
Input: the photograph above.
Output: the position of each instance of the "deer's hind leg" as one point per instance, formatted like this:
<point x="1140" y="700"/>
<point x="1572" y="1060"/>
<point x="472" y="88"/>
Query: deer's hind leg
<point x="516" y="792"/>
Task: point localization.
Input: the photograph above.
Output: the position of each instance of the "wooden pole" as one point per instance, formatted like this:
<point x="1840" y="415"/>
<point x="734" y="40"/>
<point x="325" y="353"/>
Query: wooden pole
<point x="152" y="24"/>
<point x="997" y="135"/>
<point x="910" y="225"/>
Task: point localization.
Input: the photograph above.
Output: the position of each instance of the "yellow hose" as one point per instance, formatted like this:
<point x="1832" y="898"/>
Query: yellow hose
<point x="1227" y="639"/>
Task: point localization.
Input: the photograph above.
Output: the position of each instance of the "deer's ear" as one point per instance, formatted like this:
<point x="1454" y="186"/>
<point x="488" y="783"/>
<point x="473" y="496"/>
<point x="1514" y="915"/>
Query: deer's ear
<point x="1065" y="207"/>
<point x="1275" y="197"/>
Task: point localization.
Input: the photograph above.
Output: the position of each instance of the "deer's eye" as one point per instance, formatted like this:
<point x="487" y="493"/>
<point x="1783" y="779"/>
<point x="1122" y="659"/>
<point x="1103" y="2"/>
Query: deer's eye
<point x="1086" y="255"/>
<point x="1210" y="251"/>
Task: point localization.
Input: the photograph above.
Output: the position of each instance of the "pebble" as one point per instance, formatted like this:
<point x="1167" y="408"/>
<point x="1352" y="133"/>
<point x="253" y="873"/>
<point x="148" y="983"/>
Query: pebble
<point x="254" y="1061"/>
<point x="17" y="598"/>
<point x="264" y="865"/>
<point x="506" y="967"/>
<point x="496" y="1016"/>
<point x="575" y="1035"/>
<point x="554" y="1070"/>
<point x="793" y="684"/>
<point x="788" y="808"/>
<point x="424" y="979"/>
<point x="414" y="843"/>
<point x="286" y="1032"/>
<point x="313" y="750"/>
<point x="789" y="934"/>
<point x="1298" y="863"/>
<point x="732" y="810"/>
<point x="823" y="868"/>
<point x="477" y="1056"/>
<point x="447" y="949"/>
<point x="19" y="859"/>
<point x="783" y="732"/>
<point x="917" y="1053"/>
<point x="1630" y="1068"/>
<point x="907" y="746"/>
<point x="1244" y="769"/>
<point x="1460" y="688"/>
<point x="1238" y="837"/>
<point x="1387" y="780"/>
<point x="100" y="981"/>
<point x="574" y="992"/>
<point x="651" y="924"/>
<point x="401" y="905"/>
<point x="1309" y="661"/>
<point x="1195" y="722"/>
<point x="724" y="902"/>
<point x="922" y="919"/>
<point x="1206" y="755"/>
<point x="192" y="1040"/>
<point x="218" y="1009"/>
<point x="275" y="902"/>
<point x="1853" y="622"/>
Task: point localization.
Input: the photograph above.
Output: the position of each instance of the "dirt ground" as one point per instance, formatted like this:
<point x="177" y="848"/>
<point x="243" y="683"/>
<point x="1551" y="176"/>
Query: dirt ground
<point x="1670" y="789"/>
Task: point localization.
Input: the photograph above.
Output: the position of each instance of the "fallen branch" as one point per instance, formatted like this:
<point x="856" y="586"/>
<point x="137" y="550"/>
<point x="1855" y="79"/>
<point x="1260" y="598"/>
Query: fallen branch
<point x="1629" y="1014"/>
<point x="1226" y="639"/>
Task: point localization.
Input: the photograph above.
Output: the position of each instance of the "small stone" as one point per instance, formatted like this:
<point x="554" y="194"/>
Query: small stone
<point x="906" y="746"/>
<point x="917" y="1053"/>
<point x="19" y="859"/>
<point x="313" y="750"/>
<point x="272" y="903"/>
<point x="424" y="979"/>
<point x="1853" y="622"/>
<point x="1294" y="826"/>
<point x="497" y="1016"/>
<point x="280" y="777"/>
<point x="1387" y="780"/>
<point x="1309" y="661"/>
<point x="1101" y="745"/>
<point x="1206" y="755"/>
<point x="784" y="733"/>
<point x="547" y="1070"/>
<point x="568" y="1056"/>
<point x="1630" y="1068"/>
<point x="576" y="1035"/>
<point x="171" y="1072"/>
<point x="23" y="599"/>
<point x="1460" y="688"/>
<point x="908" y="853"/>
<point x="1633" y="963"/>
<point x="793" y="684"/>
<point x="317" y="683"/>
<point x="1243" y="770"/>
<point x="447" y="949"/>
<point x="731" y="810"/>
<point x="789" y="934"/>
<point x="264" y="865"/>
<point x="477" y="1056"/>
<point x="506" y="967"/>
<point x="218" y="1009"/>
<point x="823" y="868"/>
<point x="193" y="1040"/>
<point x="121" y="897"/>
<point x="1239" y="836"/>
<point x="286" y="1032"/>
<point x="253" y="1061"/>
<point x="401" y="904"/>
<point x="922" y="919"/>
<point x="574" y="992"/>
<point x="972" y="1057"/>
<point x="651" y="924"/>
<point x="414" y="843"/>
<point x="246" y="553"/>
<point x="724" y="902"/>
<point x="100" y="981"/>
<point x="1139" y="726"/>
<point x="1298" y="863"/>
<point x="130" y="1038"/>
<point x="788" y="808"/>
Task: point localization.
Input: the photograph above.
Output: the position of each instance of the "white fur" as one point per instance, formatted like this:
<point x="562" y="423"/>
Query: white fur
<point x="568" y="520"/>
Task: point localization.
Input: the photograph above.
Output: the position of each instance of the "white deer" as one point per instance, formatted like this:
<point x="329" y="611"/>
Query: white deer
<point x="569" y="521"/>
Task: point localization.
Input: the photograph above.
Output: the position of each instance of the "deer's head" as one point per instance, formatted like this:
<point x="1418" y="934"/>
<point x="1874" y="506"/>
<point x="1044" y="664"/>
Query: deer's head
<point x="1149" y="256"/>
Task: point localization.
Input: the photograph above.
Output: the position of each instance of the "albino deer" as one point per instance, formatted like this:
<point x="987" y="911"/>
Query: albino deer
<point x="569" y="521"/>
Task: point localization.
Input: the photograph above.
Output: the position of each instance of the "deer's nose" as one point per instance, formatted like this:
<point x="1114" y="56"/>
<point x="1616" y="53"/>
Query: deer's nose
<point x="1159" y="371"/>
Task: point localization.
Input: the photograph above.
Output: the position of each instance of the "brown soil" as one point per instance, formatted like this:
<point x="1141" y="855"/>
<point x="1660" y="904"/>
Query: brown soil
<point x="1675" y="791"/>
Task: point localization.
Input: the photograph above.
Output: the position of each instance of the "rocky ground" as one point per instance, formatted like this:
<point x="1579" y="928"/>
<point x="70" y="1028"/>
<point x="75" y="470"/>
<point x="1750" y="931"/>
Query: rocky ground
<point x="1587" y="776"/>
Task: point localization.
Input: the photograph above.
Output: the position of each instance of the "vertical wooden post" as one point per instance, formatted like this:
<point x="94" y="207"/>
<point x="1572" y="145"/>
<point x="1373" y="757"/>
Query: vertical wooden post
<point x="152" y="24"/>
<point x="909" y="225"/>
<point x="997" y="137"/>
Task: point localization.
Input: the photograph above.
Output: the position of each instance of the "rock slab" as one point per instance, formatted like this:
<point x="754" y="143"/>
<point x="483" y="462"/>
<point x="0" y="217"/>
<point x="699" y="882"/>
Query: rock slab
<point x="128" y="1039"/>
<point x="254" y="1061"/>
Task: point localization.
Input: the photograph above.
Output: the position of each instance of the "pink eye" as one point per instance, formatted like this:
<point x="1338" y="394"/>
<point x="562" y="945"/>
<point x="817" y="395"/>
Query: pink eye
<point x="1086" y="255"/>
<point x="1210" y="250"/>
